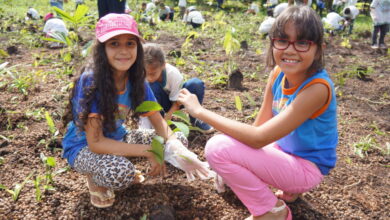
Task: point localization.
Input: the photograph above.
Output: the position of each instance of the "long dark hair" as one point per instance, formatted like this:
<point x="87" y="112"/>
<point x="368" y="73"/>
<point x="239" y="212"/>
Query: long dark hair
<point x="104" y="85"/>
<point x="308" y="27"/>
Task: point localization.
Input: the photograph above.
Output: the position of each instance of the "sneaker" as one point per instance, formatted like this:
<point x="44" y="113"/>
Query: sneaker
<point x="206" y="128"/>
<point x="382" y="46"/>
<point x="374" y="46"/>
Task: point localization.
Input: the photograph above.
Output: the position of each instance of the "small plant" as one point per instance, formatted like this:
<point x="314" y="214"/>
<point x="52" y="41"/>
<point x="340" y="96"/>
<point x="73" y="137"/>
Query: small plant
<point x="231" y="45"/>
<point x="54" y="132"/>
<point x="17" y="189"/>
<point x="238" y="102"/>
<point x="364" y="145"/>
<point x="47" y="178"/>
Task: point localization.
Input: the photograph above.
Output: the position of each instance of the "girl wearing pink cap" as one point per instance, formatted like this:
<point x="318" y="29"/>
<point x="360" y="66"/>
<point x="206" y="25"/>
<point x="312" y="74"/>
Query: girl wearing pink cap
<point x="105" y="94"/>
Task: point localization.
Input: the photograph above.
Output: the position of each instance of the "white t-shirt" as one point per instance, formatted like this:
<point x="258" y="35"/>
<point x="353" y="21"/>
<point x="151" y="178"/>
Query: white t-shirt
<point x="354" y="12"/>
<point x="279" y="9"/>
<point x="164" y="11"/>
<point x="350" y="2"/>
<point x="254" y="7"/>
<point x="55" y="25"/>
<point x="380" y="12"/>
<point x="266" y="25"/>
<point x="273" y="2"/>
<point x="150" y="7"/>
<point x="34" y="13"/>
<point x="173" y="82"/>
<point x="194" y="16"/>
<point x="182" y="3"/>
<point x="333" y="19"/>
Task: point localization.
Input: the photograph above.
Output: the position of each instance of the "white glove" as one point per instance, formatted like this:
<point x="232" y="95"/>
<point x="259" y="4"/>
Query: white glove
<point x="219" y="184"/>
<point x="179" y="156"/>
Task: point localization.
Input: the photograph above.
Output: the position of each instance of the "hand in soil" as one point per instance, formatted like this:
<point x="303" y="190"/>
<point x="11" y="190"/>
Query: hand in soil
<point x="179" y="156"/>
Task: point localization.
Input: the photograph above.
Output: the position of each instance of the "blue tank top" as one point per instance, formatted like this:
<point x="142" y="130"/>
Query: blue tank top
<point x="316" y="139"/>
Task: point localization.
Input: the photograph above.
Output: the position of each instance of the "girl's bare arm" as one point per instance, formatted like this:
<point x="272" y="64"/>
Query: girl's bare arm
<point x="305" y="105"/>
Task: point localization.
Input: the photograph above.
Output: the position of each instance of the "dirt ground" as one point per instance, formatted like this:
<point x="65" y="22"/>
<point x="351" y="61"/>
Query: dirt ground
<point x="358" y="188"/>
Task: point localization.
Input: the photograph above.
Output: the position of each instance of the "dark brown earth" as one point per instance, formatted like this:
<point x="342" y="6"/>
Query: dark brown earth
<point x="358" y="188"/>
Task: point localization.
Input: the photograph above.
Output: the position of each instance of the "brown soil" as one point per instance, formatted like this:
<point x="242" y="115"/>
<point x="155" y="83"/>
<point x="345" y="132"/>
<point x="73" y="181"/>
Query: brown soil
<point x="358" y="188"/>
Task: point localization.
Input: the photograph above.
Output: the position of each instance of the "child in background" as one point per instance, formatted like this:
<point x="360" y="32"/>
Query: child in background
<point x="266" y="25"/>
<point x="165" y="12"/>
<point x="292" y="143"/>
<point x="349" y="15"/>
<point x="333" y="23"/>
<point x="166" y="81"/>
<point x="253" y="8"/>
<point x="193" y="17"/>
<point x="106" y="93"/>
<point x="380" y="14"/>
<point x="279" y="9"/>
<point x="32" y="14"/>
<point x="54" y="26"/>
<point x="182" y="5"/>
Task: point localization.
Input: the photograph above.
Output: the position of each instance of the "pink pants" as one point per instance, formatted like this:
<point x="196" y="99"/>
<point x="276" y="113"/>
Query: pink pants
<point x="248" y="171"/>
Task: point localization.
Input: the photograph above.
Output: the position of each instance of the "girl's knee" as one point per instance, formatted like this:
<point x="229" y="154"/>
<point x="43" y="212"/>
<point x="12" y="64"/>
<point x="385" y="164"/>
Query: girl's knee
<point x="118" y="174"/>
<point x="194" y="84"/>
<point x="216" y="146"/>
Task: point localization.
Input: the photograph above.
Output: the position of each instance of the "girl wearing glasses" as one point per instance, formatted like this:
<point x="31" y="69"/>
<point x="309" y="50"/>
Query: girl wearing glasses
<point x="292" y="143"/>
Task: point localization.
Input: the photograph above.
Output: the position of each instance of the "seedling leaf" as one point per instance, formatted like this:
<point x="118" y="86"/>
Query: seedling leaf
<point x="238" y="103"/>
<point x="182" y="127"/>
<point x="182" y="116"/>
<point x="148" y="106"/>
<point x="50" y="123"/>
<point x="158" y="148"/>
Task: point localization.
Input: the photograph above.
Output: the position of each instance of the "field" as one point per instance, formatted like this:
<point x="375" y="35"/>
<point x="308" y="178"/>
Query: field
<point x="34" y="88"/>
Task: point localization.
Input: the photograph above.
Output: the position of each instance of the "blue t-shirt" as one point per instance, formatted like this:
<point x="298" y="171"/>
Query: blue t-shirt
<point x="74" y="139"/>
<point x="316" y="139"/>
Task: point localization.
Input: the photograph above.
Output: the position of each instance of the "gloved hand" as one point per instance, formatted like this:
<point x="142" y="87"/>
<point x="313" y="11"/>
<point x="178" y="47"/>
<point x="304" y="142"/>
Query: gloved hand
<point x="179" y="156"/>
<point x="219" y="184"/>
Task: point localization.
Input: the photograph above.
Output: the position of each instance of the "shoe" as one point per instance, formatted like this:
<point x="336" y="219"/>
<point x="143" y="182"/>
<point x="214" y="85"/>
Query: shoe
<point x="205" y="128"/>
<point x="106" y="199"/>
<point x="280" y="208"/>
<point x="382" y="46"/>
<point x="374" y="46"/>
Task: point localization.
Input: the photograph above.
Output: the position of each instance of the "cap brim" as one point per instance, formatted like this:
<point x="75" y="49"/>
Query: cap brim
<point x="111" y="34"/>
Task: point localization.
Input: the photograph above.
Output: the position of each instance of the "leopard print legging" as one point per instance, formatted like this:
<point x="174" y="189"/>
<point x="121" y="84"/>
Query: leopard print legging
<point x="115" y="172"/>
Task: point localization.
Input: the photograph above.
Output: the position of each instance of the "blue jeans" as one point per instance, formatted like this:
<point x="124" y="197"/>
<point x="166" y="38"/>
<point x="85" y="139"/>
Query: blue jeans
<point x="57" y="4"/>
<point x="194" y="85"/>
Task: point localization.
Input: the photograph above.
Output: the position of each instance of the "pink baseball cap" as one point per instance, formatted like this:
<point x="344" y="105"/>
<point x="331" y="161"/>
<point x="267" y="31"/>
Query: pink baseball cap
<point x="48" y="16"/>
<point x="112" y="25"/>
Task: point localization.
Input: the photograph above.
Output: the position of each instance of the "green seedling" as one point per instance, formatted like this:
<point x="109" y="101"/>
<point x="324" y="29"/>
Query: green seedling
<point x="17" y="189"/>
<point x="230" y="45"/>
<point x="1" y="160"/>
<point x="364" y="145"/>
<point x="158" y="148"/>
<point x="237" y="101"/>
<point x="47" y="179"/>
<point x="54" y="132"/>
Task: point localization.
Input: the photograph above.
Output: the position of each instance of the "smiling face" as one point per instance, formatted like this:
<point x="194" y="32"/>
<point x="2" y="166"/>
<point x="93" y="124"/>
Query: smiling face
<point x="291" y="61"/>
<point x="121" y="52"/>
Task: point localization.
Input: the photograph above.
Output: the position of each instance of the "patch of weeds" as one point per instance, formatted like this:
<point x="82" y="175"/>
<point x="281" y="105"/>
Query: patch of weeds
<point x="362" y="147"/>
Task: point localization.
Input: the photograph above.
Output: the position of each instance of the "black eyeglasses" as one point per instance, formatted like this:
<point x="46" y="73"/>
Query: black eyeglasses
<point x="299" y="45"/>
